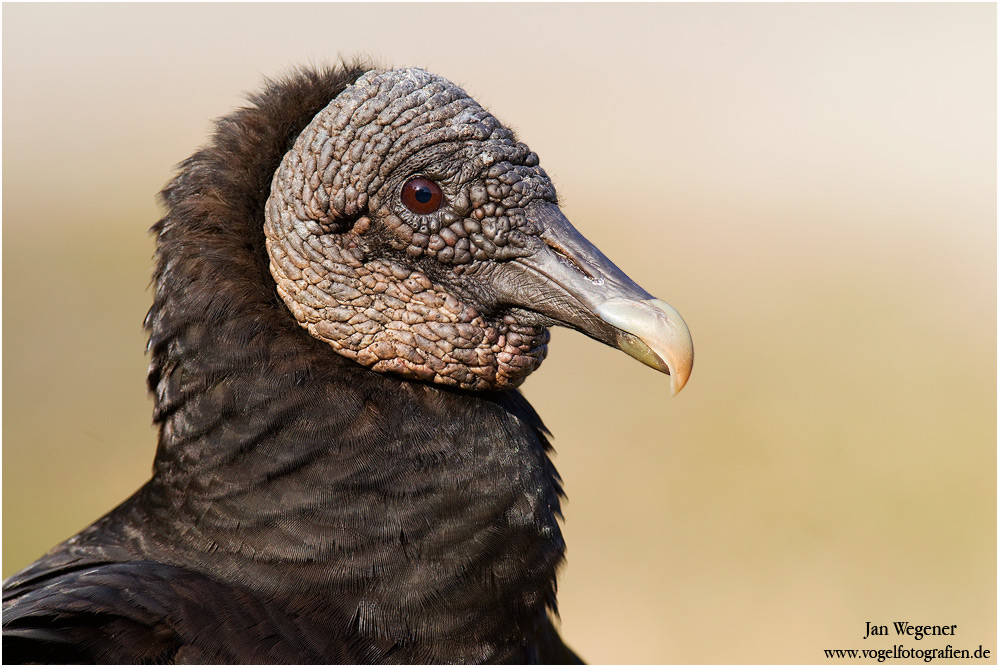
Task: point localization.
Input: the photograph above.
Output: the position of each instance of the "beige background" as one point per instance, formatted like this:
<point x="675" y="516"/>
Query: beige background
<point x="812" y="186"/>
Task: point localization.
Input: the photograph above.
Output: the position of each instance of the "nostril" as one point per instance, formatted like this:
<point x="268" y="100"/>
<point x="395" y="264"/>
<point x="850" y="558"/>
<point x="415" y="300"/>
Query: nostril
<point x="563" y="255"/>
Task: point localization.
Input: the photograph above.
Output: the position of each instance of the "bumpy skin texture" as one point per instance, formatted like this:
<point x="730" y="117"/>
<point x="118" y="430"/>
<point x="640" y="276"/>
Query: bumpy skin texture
<point x="337" y="196"/>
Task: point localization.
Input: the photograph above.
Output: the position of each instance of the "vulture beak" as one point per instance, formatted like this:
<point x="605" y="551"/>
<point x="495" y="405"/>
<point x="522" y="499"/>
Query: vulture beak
<point x="569" y="280"/>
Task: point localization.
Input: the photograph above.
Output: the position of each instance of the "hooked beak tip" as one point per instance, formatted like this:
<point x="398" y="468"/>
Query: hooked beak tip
<point x="679" y="375"/>
<point x="653" y="332"/>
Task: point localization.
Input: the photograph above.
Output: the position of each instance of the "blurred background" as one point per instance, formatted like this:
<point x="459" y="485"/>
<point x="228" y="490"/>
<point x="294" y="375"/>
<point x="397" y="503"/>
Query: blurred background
<point x="812" y="186"/>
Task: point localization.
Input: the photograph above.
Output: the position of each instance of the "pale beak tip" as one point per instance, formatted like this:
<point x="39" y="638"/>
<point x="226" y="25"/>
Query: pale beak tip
<point x="653" y="332"/>
<point x="679" y="375"/>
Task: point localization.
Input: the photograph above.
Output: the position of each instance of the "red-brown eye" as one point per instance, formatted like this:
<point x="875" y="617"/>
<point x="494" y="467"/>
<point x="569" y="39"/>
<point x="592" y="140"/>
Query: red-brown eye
<point x="422" y="196"/>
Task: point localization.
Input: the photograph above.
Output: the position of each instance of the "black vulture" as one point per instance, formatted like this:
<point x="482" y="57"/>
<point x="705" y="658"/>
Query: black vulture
<point x="351" y="280"/>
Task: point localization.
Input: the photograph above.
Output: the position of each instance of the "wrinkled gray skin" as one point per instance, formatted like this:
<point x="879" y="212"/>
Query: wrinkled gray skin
<point x="461" y="296"/>
<point x="353" y="159"/>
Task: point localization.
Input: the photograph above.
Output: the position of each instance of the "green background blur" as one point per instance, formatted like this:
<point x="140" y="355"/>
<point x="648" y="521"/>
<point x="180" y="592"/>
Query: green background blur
<point x="812" y="186"/>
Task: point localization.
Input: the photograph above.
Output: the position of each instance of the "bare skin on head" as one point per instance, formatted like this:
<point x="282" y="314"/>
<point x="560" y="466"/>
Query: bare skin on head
<point x="403" y="285"/>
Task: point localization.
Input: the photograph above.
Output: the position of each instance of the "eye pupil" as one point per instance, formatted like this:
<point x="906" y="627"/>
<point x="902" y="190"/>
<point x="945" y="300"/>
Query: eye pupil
<point x="422" y="196"/>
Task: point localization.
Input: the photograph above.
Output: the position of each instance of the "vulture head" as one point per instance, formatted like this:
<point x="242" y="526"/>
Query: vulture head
<point x="412" y="232"/>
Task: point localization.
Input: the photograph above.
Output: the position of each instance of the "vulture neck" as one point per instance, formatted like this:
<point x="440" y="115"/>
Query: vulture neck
<point x="401" y="509"/>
